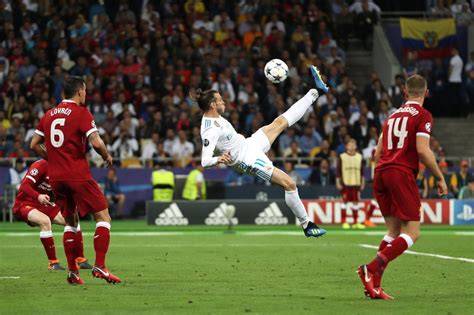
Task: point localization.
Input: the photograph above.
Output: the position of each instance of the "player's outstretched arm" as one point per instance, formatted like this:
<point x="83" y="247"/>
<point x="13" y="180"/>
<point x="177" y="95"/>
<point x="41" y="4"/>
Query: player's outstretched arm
<point x="37" y="145"/>
<point x="100" y="148"/>
<point x="427" y="157"/>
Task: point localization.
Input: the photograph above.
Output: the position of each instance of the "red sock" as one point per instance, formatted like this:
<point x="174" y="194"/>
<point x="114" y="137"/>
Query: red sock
<point x="101" y="242"/>
<point x="343" y="213"/>
<point x="390" y="252"/>
<point x="46" y="238"/>
<point x="79" y="244"/>
<point x="69" y="242"/>
<point x="378" y="276"/>
<point x="370" y="211"/>
<point x="355" y="214"/>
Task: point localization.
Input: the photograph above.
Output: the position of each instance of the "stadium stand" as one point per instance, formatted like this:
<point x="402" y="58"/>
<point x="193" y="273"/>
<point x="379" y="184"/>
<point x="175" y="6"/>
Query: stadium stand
<point x="143" y="59"/>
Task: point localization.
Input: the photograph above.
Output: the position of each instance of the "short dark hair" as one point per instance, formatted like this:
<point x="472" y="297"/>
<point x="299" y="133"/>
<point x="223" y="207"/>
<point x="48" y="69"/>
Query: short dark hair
<point x="416" y="85"/>
<point x="72" y="85"/>
<point x="205" y="98"/>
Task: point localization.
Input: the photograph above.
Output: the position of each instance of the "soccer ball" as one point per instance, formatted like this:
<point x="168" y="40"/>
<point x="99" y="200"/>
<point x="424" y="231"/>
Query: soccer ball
<point x="276" y="70"/>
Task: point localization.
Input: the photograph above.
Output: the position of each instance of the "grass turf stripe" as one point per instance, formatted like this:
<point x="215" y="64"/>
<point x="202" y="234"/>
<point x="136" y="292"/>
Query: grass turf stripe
<point x="243" y="233"/>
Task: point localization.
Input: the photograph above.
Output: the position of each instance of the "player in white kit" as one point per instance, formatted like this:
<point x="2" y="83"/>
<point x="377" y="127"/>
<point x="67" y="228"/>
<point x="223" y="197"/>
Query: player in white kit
<point x="247" y="155"/>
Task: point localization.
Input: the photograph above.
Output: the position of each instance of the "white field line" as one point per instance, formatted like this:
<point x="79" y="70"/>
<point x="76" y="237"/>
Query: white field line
<point x="9" y="278"/>
<point x="210" y="233"/>
<point x="467" y="233"/>
<point x="241" y="233"/>
<point x="469" y="260"/>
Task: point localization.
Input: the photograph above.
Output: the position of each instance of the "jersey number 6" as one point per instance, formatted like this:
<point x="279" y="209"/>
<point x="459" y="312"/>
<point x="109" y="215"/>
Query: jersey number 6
<point x="57" y="133"/>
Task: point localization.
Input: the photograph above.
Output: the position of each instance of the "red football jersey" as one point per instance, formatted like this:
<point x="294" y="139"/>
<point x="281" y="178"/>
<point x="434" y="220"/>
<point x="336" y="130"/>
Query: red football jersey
<point x="65" y="129"/>
<point x="399" y="137"/>
<point x="35" y="182"/>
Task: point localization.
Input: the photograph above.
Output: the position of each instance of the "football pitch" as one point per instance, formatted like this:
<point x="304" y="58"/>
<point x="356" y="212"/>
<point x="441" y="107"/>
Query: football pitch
<point x="259" y="270"/>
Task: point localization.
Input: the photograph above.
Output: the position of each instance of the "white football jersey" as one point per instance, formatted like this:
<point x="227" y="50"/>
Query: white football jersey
<point x="219" y="135"/>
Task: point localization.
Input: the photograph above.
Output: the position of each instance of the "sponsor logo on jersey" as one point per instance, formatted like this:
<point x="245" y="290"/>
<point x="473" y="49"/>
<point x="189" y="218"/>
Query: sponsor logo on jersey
<point x="428" y="127"/>
<point x="222" y="215"/>
<point x="271" y="215"/>
<point x="34" y="172"/>
<point x="171" y="216"/>
<point x="467" y="214"/>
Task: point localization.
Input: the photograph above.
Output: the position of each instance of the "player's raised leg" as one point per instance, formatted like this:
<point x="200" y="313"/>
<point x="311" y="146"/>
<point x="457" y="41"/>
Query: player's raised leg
<point x="293" y="201"/>
<point x="37" y="218"/>
<point x="291" y="116"/>
<point x="101" y="246"/>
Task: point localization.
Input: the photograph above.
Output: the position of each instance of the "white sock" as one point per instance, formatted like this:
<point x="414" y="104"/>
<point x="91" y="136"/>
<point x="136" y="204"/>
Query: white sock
<point x="103" y="224"/>
<point x="293" y="201"/>
<point x="298" y="109"/>
<point x="69" y="228"/>
<point x="46" y="234"/>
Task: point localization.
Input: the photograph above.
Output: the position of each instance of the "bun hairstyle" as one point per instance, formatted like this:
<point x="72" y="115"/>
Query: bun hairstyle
<point x="205" y="98"/>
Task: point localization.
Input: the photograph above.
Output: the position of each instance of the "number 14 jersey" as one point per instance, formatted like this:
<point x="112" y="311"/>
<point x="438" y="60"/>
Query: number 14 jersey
<point x="399" y="137"/>
<point x="65" y="129"/>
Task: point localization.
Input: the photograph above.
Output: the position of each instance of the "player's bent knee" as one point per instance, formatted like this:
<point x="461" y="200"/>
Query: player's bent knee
<point x="102" y="216"/>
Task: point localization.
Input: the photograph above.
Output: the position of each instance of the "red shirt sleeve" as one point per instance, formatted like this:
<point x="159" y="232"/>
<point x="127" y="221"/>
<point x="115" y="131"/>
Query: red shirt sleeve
<point x="40" y="128"/>
<point x="87" y="123"/>
<point x="425" y="123"/>
<point x="36" y="174"/>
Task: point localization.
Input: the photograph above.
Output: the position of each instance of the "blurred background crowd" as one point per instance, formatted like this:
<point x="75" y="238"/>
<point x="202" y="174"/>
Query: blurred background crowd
<point x="143" y="59"/>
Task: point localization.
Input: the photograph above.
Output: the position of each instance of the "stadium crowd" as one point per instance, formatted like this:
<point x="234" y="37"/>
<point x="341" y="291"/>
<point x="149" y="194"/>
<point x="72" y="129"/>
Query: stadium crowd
<point x="143" y="60"/>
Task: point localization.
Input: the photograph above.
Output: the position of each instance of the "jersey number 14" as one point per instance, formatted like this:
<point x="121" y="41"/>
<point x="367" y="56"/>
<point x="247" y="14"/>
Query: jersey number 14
<point x="398" y="130"/>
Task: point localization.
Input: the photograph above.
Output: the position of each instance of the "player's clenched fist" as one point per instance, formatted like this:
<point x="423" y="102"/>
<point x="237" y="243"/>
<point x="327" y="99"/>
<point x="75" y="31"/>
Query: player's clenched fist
<point x="225" y="158"/>
<point x="44" y="200"/>
<point x="442" y="187"/>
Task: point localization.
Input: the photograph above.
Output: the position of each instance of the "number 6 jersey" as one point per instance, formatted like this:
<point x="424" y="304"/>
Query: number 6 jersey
<point x="399" y="137"/>
<point x="65" y="129"/>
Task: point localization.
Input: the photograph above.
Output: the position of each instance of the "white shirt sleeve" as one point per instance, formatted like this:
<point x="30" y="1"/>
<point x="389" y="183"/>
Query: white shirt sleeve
<point x="210" y="136"/>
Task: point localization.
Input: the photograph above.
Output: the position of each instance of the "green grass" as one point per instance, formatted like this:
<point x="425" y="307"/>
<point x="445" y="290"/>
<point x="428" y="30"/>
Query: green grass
<point x="205" y="271"/>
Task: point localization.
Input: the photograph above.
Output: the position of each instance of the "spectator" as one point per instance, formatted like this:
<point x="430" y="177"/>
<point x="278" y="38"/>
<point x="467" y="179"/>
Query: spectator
<point x="456" y="106"/>
<point x="125" y="146"/>
<point x="15" y="174"/>
<point x="467" y="192"/>
<point x="182" y="150"/>
<point x="310" y="139"/>
<point x="465" y="17"/>
<point x="323" y="175"/>
<point x="112" y="192"/>
<point x="459" y="179"/>
<point x="364" y="22"/>
<point x="195" y="185"/>
<point x="293" y="151"/>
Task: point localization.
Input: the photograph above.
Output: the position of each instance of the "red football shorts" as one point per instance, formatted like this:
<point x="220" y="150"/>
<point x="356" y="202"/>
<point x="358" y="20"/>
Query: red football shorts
<point x="21" y="211"/>
<point x="85" y="195"/>
<point x="397" y="194"/>
<point x="350" y="194"/>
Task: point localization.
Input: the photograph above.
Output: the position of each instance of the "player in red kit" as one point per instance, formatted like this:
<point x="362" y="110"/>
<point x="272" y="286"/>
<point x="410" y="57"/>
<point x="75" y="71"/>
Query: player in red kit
<point x="34" y="207"/>
<point x="61" y="137"/>
<point x="403" y="144"/>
